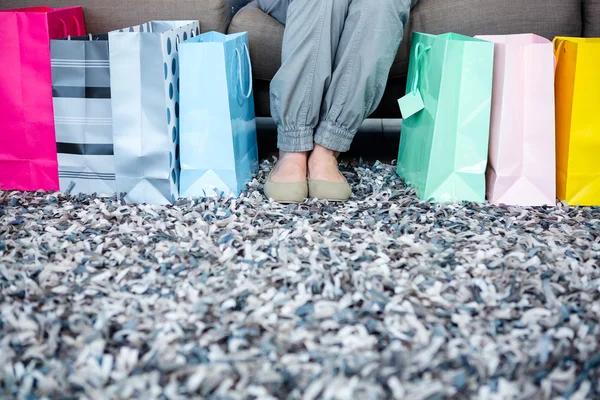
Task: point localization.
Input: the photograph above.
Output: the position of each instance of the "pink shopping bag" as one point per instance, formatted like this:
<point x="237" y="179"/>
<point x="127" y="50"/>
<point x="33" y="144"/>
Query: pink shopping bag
<point x="28" y="159"/>
<point x="522" y="153"/>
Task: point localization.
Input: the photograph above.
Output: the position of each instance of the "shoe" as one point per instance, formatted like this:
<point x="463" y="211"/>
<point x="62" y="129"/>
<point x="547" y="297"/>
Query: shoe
<point x="286" y="192"/>
<point x="327" y="190"/>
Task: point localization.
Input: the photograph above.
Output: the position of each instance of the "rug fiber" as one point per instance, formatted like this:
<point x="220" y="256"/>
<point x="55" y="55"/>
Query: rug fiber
<point x="381" y="297"/>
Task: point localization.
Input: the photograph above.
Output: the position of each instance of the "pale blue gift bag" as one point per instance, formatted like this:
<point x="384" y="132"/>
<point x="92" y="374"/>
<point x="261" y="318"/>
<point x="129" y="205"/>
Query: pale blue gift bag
<point x="219" y="153"/>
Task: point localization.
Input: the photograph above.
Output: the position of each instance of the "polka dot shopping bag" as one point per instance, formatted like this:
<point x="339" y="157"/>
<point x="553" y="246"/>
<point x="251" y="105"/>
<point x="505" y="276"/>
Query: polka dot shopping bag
<point x="144" y="76"/>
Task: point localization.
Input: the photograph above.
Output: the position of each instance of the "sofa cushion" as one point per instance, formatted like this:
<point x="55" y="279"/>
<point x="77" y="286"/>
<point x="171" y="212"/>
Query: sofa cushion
<point x="547" y="18"/>
<point x="591" y="18"/>
<point x="106" y="15"/>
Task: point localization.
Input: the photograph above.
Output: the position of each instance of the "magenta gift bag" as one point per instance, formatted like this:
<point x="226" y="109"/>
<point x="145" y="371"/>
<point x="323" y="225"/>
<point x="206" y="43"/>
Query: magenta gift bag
<point x="28" y="159"/>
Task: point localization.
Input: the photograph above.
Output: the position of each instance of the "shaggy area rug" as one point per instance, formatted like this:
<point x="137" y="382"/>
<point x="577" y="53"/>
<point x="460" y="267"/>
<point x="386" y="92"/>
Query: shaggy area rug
<point x="384" y="296"/>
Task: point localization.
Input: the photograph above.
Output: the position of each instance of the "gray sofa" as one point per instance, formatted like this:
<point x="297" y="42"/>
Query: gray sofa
<point x="547" y="18"/>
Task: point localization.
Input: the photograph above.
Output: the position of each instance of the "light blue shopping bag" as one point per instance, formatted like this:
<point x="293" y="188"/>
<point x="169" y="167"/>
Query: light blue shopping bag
<point x="219" y="153"/>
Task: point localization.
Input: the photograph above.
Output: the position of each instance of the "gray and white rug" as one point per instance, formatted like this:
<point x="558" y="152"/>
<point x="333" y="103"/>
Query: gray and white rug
<point x="382" y="297"/>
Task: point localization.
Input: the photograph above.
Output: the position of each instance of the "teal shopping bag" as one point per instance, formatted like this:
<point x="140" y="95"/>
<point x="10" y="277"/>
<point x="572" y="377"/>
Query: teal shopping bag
<point x="445" y="132"/>
<point x="219" y="151"/>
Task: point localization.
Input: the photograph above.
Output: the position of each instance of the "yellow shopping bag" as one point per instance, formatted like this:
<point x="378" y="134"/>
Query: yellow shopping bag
<point x="577" y="87"/>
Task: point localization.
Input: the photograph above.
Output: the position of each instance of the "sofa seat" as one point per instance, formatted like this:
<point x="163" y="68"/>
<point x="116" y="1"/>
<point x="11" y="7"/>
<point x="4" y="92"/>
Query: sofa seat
<point x="547" y="18"/>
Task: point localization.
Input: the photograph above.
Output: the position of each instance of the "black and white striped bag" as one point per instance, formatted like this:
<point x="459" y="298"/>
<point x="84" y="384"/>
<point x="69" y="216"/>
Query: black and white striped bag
<point x="83" y="115"/>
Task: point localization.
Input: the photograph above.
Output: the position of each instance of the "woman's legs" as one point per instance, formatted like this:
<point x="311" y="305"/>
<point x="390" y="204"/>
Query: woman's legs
<point x="312" y="33"/>
<point x="336" y="59"/>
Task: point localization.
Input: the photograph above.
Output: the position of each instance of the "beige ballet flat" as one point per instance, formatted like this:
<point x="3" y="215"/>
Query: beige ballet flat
<point x="286" y="192"/>
<point x="327" y="190"/>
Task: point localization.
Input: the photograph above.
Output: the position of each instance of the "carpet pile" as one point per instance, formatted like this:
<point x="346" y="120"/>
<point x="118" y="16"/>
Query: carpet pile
<point x="384" y="296"/>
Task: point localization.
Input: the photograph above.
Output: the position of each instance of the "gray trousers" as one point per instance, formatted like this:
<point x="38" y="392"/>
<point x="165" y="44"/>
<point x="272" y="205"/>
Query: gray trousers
<point x="336" y="59"/>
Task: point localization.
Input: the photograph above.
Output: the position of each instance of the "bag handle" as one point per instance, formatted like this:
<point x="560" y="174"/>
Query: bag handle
<point x="63" y="24"/>
<point x="412" y="102"/>
<point x="90" y="37"/>
<point x="420" y="50"/>
<point x="249" y="93"/>
<point x="76" y="21"/>
<point x="559" y="45"/>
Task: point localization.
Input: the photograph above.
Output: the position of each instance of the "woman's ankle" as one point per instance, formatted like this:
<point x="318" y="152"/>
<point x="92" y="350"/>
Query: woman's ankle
<point x="291" y="167"/>
<point x="323" y="165"/>
<point x="323" y="152"/>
